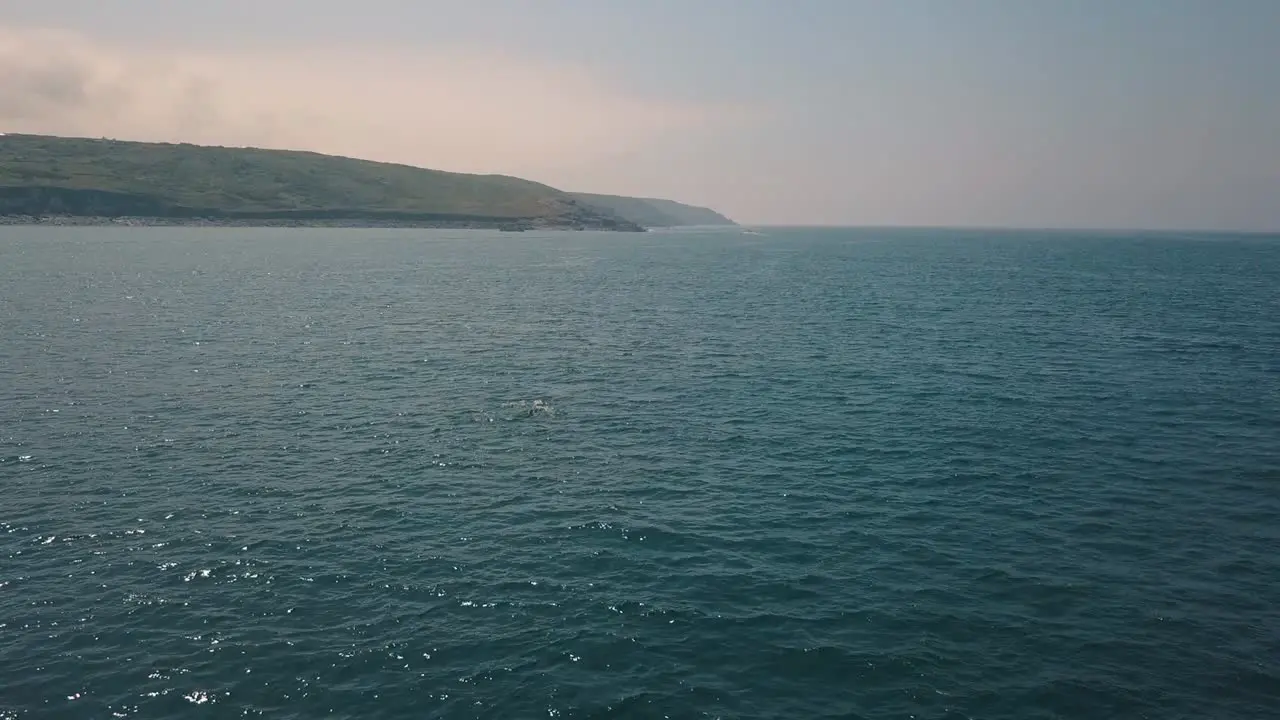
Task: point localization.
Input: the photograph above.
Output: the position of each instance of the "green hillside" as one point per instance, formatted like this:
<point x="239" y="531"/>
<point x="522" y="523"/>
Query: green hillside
<point x="652" y="212"/>
<point x="50" y="176"/>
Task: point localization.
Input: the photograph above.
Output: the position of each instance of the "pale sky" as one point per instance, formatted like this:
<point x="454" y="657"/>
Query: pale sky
<point x="1070" y="113"/>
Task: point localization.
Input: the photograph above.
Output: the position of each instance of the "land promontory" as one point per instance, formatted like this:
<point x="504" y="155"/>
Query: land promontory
<point x="654" y="212"/>
<point x="46" y="179"/>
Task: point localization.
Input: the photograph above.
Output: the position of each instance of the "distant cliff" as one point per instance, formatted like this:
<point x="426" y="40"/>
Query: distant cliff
<point x="652" y="212"/>
<point x="82" y="180"/>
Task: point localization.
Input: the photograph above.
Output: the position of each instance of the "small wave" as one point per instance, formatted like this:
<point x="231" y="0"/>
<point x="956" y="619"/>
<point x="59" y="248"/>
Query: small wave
<point x="531" y="408"/>
<point x="199" y="697"/>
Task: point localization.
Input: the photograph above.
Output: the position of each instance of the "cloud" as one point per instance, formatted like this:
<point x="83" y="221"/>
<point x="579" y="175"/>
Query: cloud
<point x="452" y="108"/>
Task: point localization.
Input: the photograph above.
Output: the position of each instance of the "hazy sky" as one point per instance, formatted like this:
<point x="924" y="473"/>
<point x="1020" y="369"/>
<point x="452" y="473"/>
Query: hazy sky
<point x="1096" y="113"/>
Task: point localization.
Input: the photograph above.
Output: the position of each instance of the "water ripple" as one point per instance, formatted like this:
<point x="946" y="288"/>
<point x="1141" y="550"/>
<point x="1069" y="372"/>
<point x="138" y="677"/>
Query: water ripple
<point x="829" y="474"/>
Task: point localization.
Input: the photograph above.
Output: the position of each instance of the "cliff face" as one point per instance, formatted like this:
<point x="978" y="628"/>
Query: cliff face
<point x="74" y="177"/>
<point x="653" y="212"/>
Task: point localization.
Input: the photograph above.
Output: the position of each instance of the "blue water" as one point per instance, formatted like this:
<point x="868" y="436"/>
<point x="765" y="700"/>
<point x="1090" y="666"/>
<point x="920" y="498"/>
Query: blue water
<point x="811" y="474"/>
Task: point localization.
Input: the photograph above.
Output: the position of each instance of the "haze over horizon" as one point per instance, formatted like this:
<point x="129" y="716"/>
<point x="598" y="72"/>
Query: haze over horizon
<point x="1152" y="114"/>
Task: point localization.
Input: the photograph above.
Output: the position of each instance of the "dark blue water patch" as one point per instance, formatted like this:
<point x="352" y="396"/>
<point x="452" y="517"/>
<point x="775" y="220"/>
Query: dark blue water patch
<point x="823" y="473"/>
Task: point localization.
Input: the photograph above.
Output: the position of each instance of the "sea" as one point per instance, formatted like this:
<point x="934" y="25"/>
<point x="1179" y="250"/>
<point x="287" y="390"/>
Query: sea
<point x="807" y="473"/>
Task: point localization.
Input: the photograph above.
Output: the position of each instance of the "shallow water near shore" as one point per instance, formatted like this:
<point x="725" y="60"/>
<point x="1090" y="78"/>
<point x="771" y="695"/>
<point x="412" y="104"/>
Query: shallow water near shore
<point x="809" y="473"/>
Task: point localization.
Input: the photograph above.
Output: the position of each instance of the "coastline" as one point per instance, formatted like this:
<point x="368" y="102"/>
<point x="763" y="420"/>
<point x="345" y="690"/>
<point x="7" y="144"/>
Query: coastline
<point x="302" y="222"/>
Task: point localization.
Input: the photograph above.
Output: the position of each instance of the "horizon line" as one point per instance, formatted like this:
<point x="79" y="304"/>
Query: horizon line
<point x="1001" y="228"/>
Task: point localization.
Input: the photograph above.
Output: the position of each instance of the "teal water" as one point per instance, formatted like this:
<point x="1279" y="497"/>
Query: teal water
<point x="812" y="474"/>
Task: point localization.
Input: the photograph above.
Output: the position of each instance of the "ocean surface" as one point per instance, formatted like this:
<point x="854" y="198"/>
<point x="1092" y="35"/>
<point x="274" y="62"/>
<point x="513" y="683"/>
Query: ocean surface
<point x="805" y="474"/>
